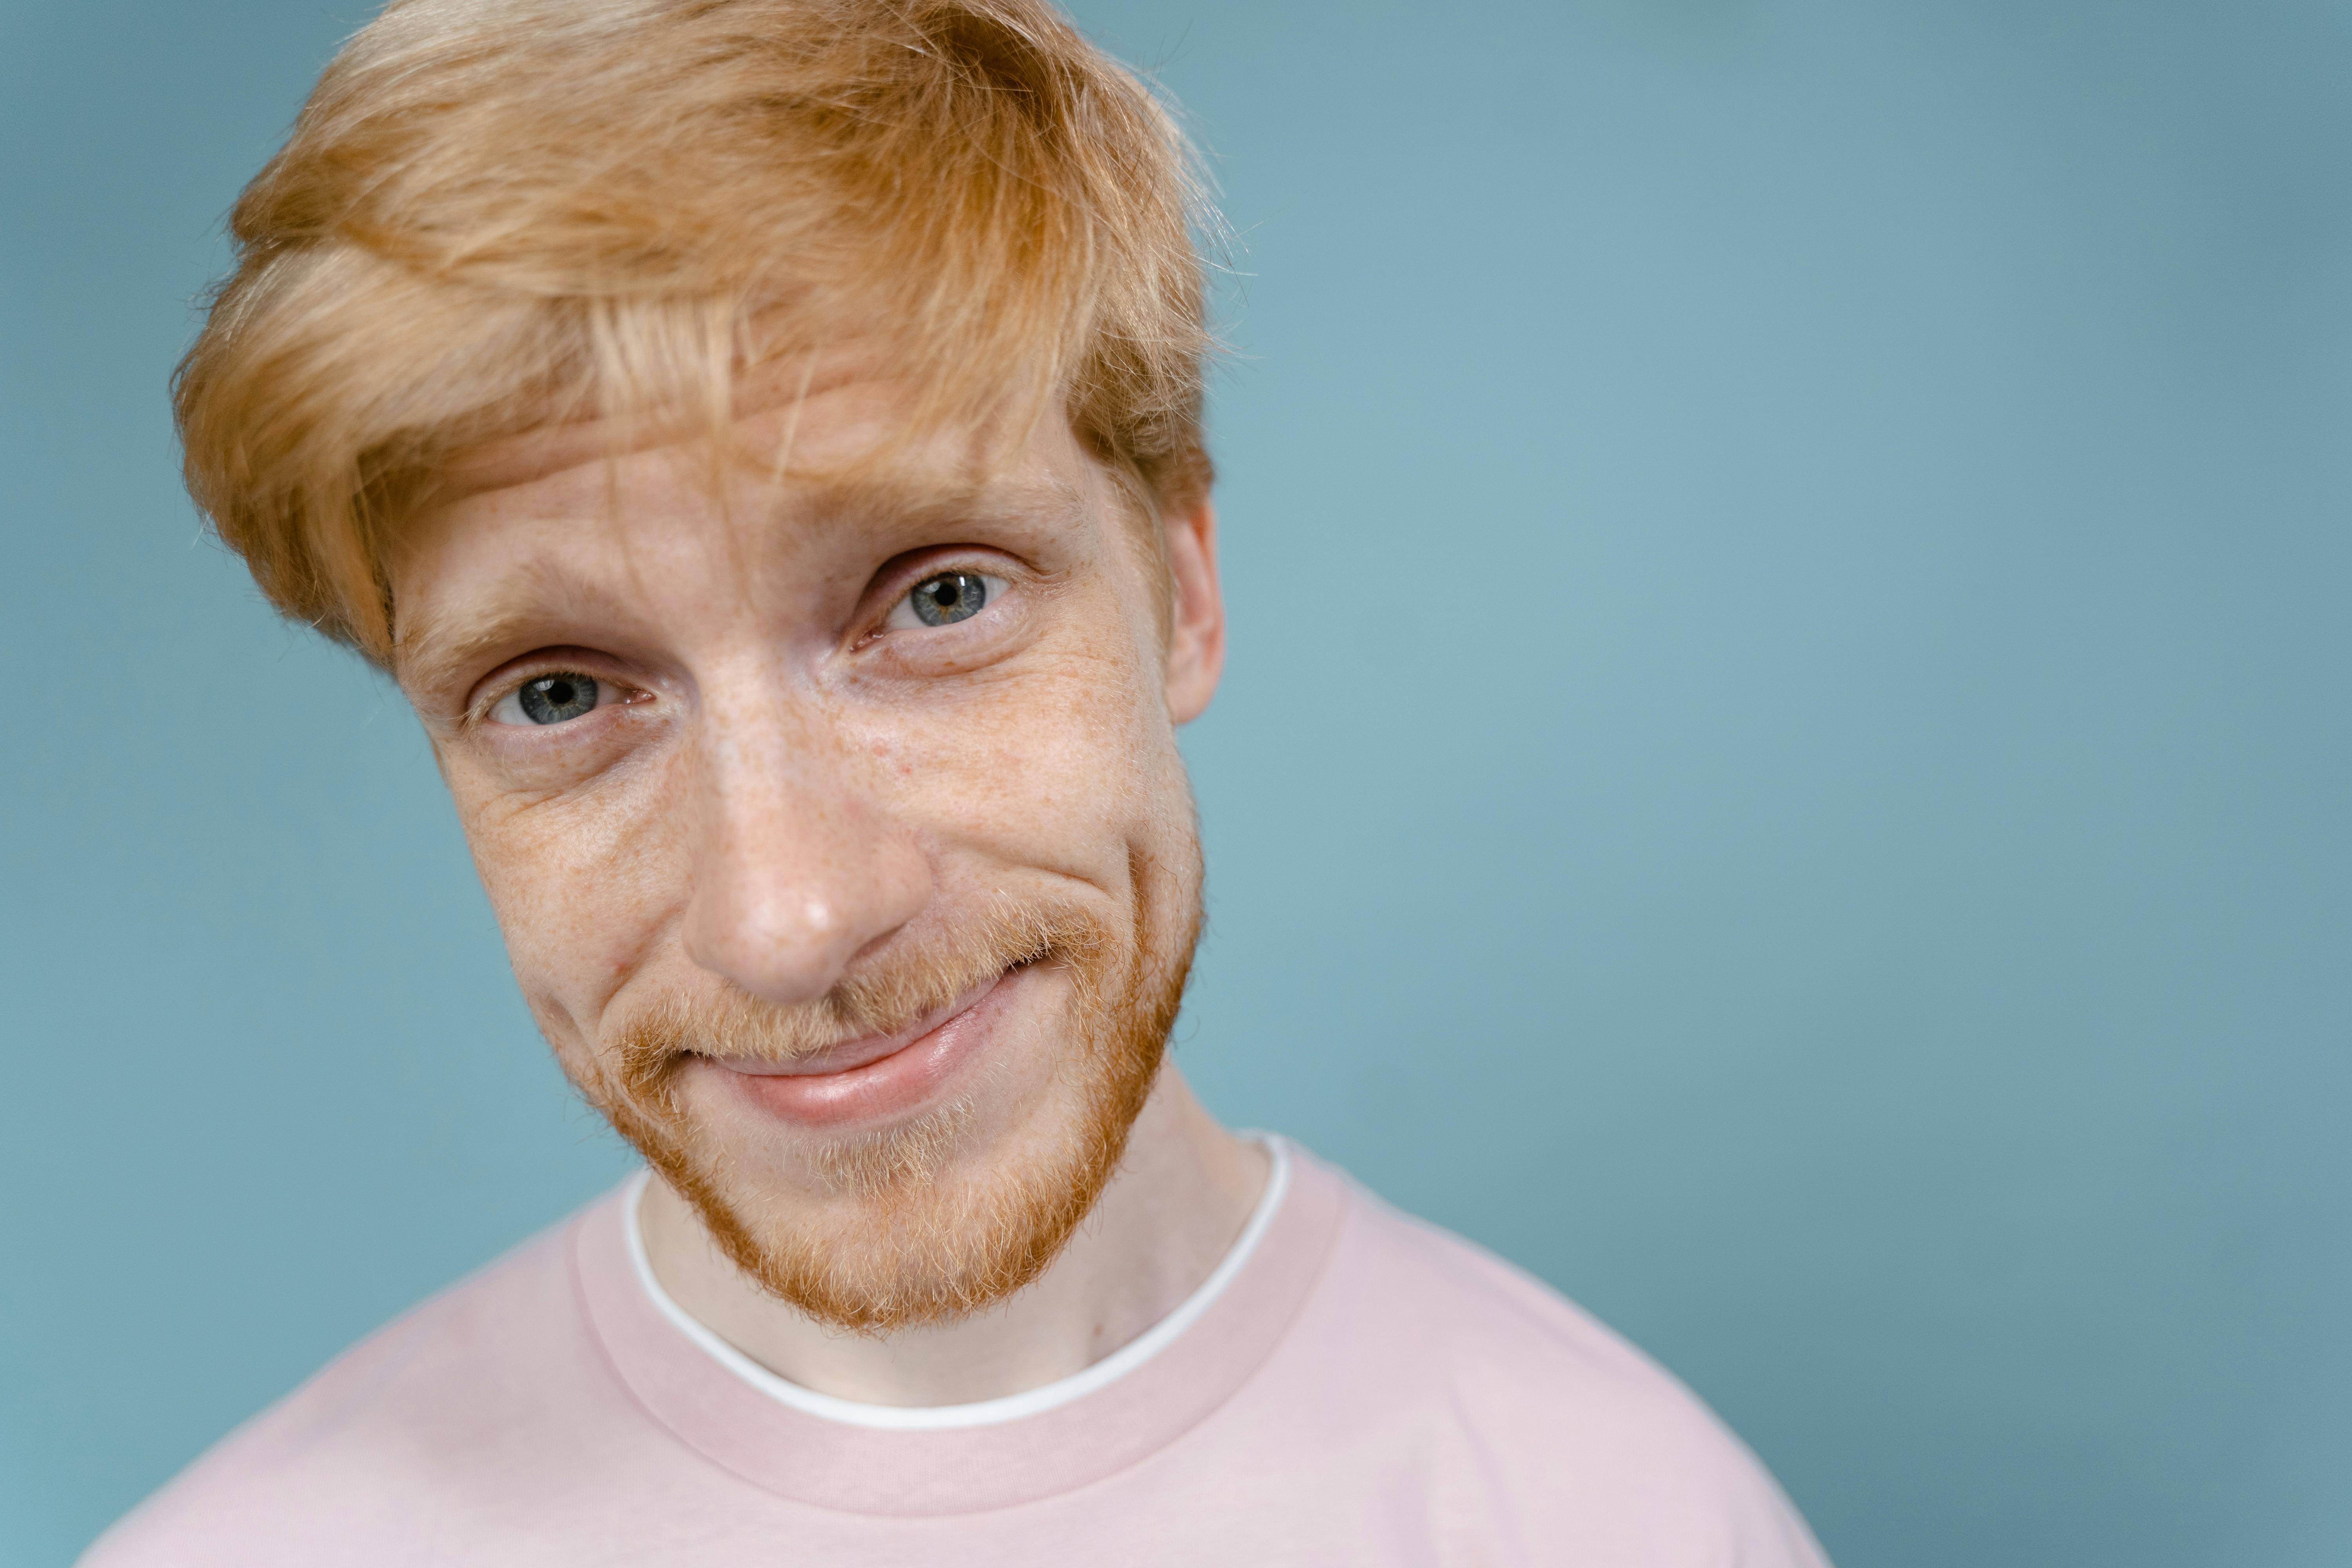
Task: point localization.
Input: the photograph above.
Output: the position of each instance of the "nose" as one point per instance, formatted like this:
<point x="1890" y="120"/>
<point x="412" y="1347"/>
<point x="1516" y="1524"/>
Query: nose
<point x="797" y="867"/>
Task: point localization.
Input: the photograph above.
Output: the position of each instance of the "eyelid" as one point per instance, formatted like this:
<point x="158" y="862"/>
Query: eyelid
<point x="978" y="560"/>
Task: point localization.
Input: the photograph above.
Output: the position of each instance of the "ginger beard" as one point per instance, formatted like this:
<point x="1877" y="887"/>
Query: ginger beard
<point x="920" y="1222"/>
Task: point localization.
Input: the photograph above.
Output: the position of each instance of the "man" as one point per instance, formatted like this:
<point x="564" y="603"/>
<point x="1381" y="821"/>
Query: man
<point x="762" y="440"/>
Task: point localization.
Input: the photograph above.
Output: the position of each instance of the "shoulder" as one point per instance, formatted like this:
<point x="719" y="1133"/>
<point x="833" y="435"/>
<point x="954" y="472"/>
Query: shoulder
<point x="1537" y="1422"/>
<point x="478" y="1379"/>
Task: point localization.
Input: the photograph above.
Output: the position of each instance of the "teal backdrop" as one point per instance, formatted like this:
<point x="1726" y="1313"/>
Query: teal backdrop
<point x="1785" y="762"/>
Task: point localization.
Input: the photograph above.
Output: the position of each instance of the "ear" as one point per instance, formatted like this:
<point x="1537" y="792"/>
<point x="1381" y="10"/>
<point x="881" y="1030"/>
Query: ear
<point x="1196" y="631"/>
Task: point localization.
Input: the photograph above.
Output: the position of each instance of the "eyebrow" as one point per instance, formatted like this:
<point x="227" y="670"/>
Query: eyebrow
<point x="433" y="653"/>
<point x="429" y="662"/>
<point x="894" y="502"/>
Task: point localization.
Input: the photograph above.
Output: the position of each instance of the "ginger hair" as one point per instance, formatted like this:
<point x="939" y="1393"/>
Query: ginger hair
<point x="493" y="215"/>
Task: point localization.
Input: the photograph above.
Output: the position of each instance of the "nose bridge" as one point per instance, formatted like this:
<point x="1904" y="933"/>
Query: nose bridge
<point x="798" y="866"/>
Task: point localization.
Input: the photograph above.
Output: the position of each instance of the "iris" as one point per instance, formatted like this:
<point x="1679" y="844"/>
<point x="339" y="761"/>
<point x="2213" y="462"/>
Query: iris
<point x="552" y="699"/>
<point x="949" y="597"/>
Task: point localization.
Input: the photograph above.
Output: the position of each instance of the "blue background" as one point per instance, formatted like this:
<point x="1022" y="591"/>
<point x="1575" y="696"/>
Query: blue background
<point x="1785" y="760"/>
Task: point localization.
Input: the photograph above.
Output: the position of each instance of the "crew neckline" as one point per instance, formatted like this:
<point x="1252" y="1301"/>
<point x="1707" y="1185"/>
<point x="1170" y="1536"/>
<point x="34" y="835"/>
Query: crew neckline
<point x="1137" y="1352"/>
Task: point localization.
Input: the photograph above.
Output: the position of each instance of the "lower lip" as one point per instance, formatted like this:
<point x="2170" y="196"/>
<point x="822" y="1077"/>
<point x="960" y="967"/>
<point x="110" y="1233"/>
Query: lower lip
<point x="888" y="1087"/>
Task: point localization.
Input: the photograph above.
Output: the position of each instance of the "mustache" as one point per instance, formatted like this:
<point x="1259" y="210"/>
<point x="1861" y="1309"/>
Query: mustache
<point x="892" y="995"/>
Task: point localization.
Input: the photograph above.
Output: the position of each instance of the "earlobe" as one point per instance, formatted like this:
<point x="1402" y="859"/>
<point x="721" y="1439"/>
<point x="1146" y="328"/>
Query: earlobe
<point x="1196" y="632"/>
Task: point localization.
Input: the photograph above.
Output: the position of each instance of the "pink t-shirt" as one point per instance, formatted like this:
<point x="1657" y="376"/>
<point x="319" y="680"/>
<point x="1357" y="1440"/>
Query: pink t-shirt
<point x="1352" y="1386"/>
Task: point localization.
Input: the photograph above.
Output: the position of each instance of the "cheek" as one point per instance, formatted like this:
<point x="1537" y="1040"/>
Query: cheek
<point x="1063" y="764"/>
<point x="577" y="884"/>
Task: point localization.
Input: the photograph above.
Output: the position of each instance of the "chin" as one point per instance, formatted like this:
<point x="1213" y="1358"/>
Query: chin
<point x="947" y="1201"/>
<point x="920" y="1219"/>
<point x="937" y="1177"/>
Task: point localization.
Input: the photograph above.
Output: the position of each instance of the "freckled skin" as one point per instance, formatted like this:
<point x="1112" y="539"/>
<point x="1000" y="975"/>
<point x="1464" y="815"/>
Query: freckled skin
<point x="781" y="784"/>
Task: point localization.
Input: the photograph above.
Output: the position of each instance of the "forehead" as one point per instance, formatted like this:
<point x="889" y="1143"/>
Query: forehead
<point x="820" y="418"/>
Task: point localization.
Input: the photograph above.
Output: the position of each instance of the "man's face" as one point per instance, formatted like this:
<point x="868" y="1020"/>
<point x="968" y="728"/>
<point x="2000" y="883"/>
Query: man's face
<point x="835" y="823"/>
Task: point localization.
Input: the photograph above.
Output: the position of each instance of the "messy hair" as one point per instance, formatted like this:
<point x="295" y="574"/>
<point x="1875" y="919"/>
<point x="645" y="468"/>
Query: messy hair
<point x="497" y="214"/>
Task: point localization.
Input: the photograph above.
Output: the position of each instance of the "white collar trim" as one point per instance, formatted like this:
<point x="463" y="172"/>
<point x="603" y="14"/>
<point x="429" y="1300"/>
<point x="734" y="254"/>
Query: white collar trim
<point x="985" y="1412"/>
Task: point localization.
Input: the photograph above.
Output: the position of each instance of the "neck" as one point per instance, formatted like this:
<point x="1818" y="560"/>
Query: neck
<point x="1180" y="1199"/>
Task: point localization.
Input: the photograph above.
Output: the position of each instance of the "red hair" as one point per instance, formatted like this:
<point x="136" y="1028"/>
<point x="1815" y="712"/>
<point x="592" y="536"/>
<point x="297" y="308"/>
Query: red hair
<point x="495" y="215"/>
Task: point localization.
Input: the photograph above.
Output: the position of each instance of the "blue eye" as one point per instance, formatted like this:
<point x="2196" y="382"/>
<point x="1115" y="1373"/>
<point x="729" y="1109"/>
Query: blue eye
<point x="554" y="699"/>
<point x="949" y="597"/>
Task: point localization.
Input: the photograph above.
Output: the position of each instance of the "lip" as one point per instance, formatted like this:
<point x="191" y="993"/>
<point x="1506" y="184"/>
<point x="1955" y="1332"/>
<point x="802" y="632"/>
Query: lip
<point x="877" y="1078"/>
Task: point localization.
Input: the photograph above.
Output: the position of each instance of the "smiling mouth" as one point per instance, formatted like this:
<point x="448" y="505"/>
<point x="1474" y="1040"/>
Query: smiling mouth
<point x="849" y="1055"/>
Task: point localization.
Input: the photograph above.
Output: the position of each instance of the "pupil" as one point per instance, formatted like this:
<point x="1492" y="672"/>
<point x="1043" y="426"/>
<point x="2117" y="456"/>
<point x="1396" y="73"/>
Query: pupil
<point x="559" y="693"/>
